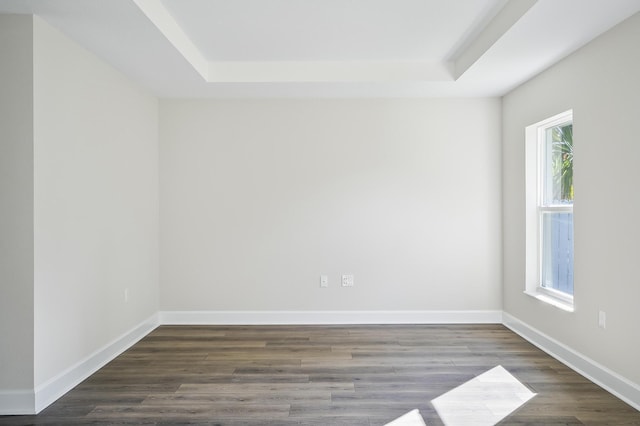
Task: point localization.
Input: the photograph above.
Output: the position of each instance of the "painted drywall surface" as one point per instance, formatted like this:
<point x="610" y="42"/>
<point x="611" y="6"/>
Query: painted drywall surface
<point x="16" y="201"/>
<point x="96" y="203"/>
<point x="600" y="82"/>
<point x="260" y="197"/>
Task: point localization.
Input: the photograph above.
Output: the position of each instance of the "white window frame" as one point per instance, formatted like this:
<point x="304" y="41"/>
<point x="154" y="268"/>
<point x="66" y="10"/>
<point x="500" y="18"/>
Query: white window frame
<point x="534" y="150"/>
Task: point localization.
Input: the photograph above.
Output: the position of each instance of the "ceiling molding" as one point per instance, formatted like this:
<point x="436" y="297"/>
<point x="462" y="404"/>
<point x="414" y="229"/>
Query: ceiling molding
<point x="158" y="14"/>
<point x="506" y="18"/>
<point x="327" y="71"/>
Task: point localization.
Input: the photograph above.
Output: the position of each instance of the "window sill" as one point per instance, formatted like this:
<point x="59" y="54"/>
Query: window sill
<point x="553" y="301"/>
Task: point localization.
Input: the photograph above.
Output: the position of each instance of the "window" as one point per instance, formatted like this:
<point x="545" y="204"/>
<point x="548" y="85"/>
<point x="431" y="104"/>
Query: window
<point x="549" y="207"/>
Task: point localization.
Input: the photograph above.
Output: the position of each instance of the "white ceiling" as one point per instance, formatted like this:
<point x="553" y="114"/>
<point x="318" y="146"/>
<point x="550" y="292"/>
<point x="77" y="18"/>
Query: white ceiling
<point x="329" y="48"/>
<point x="328" y="30"/>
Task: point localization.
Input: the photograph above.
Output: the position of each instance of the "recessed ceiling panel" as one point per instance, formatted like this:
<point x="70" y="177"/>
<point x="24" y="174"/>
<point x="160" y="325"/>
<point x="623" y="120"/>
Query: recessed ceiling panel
<point x="328" y="48"/>
<point x="330" y="30"/>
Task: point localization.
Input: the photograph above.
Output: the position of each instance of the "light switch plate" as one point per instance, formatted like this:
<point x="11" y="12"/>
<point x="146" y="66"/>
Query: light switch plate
<point x="324" y="281"/>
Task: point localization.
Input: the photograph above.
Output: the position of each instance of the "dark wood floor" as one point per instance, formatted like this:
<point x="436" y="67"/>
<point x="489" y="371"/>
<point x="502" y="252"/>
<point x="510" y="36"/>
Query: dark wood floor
<point x="321" y="375"/>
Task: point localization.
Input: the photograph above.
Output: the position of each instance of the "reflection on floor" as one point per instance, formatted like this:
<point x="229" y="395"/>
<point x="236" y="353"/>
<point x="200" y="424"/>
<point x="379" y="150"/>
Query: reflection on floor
<point x="483" y="400"/>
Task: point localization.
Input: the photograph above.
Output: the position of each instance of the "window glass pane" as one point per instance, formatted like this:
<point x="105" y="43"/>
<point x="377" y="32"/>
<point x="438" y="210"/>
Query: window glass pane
<point x="557" y="251"/>
<point x="558" y="165"/>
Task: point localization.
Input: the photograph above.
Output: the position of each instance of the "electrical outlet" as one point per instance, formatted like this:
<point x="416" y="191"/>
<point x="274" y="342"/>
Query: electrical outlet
<point x="324" y="281"/>
<point x="347" y="281"/>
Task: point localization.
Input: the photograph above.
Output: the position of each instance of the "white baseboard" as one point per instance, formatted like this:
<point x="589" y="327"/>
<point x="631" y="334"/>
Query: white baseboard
<point x="50" y="391"/>
<point x="15" y="402"/>
<point x="624" y="389"/>
<point x="328" y="317"/>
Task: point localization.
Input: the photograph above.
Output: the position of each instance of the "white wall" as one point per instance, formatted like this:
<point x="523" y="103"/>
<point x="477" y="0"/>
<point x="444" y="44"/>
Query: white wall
<point x="96" y="204"/>
<point x="16" y="210"/>
<point x="260" y="197"/>
<point x="600" y="82"/>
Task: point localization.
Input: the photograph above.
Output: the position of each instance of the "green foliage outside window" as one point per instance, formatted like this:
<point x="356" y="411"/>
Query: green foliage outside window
<point x="562" y="162"/>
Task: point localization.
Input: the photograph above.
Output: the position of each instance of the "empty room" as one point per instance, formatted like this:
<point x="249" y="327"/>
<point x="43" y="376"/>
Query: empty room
<point x="319" y="212"/>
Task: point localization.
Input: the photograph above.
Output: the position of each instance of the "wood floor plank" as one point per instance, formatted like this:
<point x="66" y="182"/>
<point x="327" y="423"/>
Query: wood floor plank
<point x="321" y="375"/>
<point x="193" y="411"/>
<point x="239" y="397"/>
<point x="250" y="388"/>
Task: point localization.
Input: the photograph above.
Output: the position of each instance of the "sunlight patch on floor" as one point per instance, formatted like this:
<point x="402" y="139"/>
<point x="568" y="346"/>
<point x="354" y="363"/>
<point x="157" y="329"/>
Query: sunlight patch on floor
<point x="412" y="418"/>
<point x="483" y="400"/>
